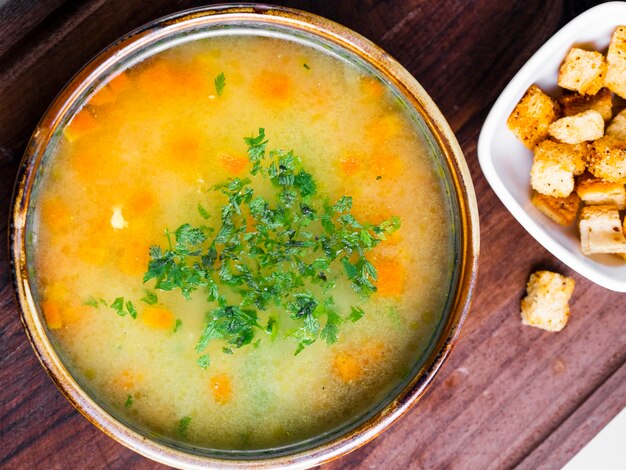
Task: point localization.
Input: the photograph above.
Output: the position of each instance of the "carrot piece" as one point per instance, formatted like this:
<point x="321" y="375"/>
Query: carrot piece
<point x="90" y="252"/>
<point x="158" y="318"/>
<point x="82" y="123"/>
<point x="234" y="164"/>
<point x="222" y="388"/>
<point x="391" y="276"/>
<point x="127" y="380"/>
<point x="134" y="257"/>
<point x="140" y="202"/>
<point x="184" y="154"/>
<point x="372" y="88"/>
<point x="272" y="87"/>
<point x="349" y="164"/>
<point x="353" y="365"/>
<point x="109" y="93"/>
<point x="156" y="80"/>
<point x="55" y="215"/>
<point x="102" y="97"/>
<point x="52" y="314"/>
<point x="386" y="165"/>
<point x="385" y="127"/>
<point x="119" y="83"/>
<point x="347" y="367"/>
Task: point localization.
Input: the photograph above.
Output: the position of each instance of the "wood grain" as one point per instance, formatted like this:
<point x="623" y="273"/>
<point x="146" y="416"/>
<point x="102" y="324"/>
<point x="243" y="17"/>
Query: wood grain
<point x="509" y="395"/>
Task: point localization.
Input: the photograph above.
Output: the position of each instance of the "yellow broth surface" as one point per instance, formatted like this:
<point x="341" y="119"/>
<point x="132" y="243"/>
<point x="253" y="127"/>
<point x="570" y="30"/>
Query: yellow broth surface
<point x="140" y="156"/>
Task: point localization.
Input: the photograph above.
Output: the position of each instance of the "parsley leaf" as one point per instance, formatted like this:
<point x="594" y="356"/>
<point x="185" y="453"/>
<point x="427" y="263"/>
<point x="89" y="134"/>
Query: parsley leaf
<point x="129" y="401"/>
<point x="204" y="361"/>
<point x="183" y="426"/>
<point x="150" y="298"/>
<point x="220" y="83"/>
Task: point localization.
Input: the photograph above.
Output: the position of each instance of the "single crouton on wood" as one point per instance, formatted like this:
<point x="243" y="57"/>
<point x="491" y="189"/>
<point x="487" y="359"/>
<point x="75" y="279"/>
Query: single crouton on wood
<point x="562" y="210"/>
<point x="554" y="166"/>
<point x="582" y="127"/>
<point x="616" y="63"/>
<point x="601" y="230"/>
<point x="617" y="127"/>
<point x="546" y="304"/>
<point x="531" y="117"/>
<point x="575" y="103"/>
<point x="607" y="159"/>
<point x="597" y="192"/>
<point x="582" y="71"/>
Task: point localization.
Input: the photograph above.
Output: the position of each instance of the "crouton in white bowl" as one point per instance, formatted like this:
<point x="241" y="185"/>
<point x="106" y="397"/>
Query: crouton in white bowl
<point x="505" y="152"/>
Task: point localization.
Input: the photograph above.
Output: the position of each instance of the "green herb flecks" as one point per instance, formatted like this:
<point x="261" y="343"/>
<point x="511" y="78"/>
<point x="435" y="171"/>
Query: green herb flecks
<point x="183" y="426"/>
<point x="129" y="401"/>
<point x="204" y="361"/>
<point x="124" y="308"/>
<point x="150" y="298"/>
<point x="306" y="66"/>
<point x="220" y="83"/>
<point x="95" y="303"/>
<point x="274" y="259"/>
<point x="177" y="325"/>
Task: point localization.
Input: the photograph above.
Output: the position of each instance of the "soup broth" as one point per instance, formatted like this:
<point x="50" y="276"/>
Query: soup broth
<point x="142" y="157"/>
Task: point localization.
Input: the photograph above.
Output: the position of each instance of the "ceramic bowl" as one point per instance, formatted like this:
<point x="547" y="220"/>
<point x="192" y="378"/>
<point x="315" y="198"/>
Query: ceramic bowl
<point x="303" y="27"/>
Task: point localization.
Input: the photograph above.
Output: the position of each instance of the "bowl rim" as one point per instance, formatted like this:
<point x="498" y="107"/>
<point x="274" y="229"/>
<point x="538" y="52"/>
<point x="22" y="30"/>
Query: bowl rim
<point x="502" y="107"/>
<point x="346" y="39"/>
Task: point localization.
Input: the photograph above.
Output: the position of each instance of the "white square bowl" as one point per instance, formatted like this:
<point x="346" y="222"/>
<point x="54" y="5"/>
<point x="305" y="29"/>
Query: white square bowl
<point x="506" y="162"/>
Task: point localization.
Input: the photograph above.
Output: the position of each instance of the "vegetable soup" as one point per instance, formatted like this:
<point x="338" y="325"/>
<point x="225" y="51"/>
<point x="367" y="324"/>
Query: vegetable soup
<point x="242" y="242"/>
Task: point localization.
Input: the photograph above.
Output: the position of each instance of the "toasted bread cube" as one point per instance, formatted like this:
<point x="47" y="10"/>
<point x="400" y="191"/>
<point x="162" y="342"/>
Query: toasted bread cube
<point x="575" y="103"/>
<point x="561" y="210"/>
<point x="601" y="230"/>
<point x="582" y="71"/>
<point x="554" y="167"/>
<point x="596" y="192"/>
<point x="607" y="159"/>
<point x="617" y="127"/>
<point x="531" y="117"/>
<point x="616" y="63"/>
<point x="582" y="127"/>
<point x="546" y="304"/>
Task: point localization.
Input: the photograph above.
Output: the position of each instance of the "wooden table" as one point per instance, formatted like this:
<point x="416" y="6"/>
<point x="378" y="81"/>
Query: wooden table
<point x="508" y="396"/>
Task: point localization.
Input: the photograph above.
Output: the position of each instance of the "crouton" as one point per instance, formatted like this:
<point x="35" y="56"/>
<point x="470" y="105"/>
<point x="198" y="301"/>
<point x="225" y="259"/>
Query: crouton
<point x="596" y="192"/>
<point x="575" y="103"/>
<point x="546" y="304"/>
<point x="607" y="159"/>
<point x="554" y="167"/>
<point x="601" y="230"/>
<point x="585" y="126"/>
<point x="616" y="63"/>
<point x="582" y="71"/>
<point x="531" y="117"/>
<point x="617" y="127"/>
<point x="561" y="210"/>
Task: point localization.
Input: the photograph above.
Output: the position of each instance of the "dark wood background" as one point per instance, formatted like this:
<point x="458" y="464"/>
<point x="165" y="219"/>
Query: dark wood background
<point x="509" y="396"/>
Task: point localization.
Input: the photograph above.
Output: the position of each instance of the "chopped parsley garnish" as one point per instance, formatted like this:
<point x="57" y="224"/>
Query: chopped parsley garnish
<point x="150" y="298"/>
<point x="306" y="66"/>
<point x="204" y="361"/>
<point x="129" y="401"/>
<point x="178" y="324"/>
<point x="220" y="83"/>
<point x="275" y="251"/>
<point x="183" y="426"/>
<point x="355" y="314"/>
<point x="93" y="302"/>
<point x="124" y="308"/>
